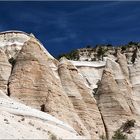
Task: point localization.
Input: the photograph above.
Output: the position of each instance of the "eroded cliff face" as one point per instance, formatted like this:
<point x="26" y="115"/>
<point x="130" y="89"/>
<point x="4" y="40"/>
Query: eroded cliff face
<point x="5" y="71"/>
<point x="115" y="88"/>
<point x="135" y="82"/>
<point x="111" y="102"/>
<point x="93" y="98"/>
<point x="34" y="83"/>
<point x="79" y="93"/>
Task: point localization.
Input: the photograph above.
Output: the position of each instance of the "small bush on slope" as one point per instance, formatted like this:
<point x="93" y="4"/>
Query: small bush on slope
<point x="118" y="135"/>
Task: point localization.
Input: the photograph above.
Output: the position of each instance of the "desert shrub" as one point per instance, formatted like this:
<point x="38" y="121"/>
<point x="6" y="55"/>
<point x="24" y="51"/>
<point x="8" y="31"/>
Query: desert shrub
<point x="93" y="59"/>
<point x="73" y="55"/>
<point x="132" y="43"/>
<point x="123" y="48"/>
<point x="127" y="125"/>
<point x="109" y="45"/>
<point x="125" y="128"/>
<point x="134" y="56"/>
<point x="101" y="52"/>
<point x="118" y="135"/>
<point x="88" y="46"/>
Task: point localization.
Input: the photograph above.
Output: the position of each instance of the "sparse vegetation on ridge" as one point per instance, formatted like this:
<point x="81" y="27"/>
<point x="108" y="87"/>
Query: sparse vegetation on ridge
<point x="134" y="56"/>
<point x="91" y="53"/>
<point x="73" y="55"/>
<point x="101" y="52"/>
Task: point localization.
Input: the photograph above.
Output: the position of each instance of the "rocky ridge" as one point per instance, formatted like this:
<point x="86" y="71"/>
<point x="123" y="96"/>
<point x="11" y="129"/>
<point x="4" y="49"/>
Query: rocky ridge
<point x="84" y="99"/>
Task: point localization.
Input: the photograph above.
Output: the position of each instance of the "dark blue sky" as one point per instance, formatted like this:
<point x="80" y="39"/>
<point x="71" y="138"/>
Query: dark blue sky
<point x="64" y="26"/>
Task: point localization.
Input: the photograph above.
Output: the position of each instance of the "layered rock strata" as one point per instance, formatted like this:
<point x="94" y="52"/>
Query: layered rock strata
<point x="95" y="98"/>
<point x="33" y="82"/>
<point x="5" y="71"/>
<point x="80" y="95"/>
<point x="134" y="78"/>
<point x="112" y="104"/>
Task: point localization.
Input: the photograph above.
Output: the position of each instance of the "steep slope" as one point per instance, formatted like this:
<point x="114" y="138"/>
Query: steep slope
<point x="115" y="94"/>
<point x="5" y="71"/>
<point x="92" y="99"/>
<point x="80" y="95"/>
<point x="12" y="41"/>
<point x="123" y="64"/>
<point x="134" y="78"/>
<point x="122" y="82"/>
<point x="112" y="104"/>
<point x="116" y="98"/>
<point x="18" y="121"/>
<point x="33" y="82"/>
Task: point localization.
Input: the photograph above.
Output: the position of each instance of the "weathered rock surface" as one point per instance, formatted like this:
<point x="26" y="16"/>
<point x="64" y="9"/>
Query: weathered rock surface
<point x="12" y="50"/>
<point x="94" y="98"/>
<point x="87" y="95"/>
<point x="5" y="71"/>
<point x="33" y="82"/>
<point x="123" y="83"/>
<point x="18" y="121"/>
<point x="112" y="104"/>
<point x="134" y="78"/>
<point x="12" y="41"/>
<point x="80" y="94"/>
<point x="123" y="64"/>
<point x="91" y="71"/>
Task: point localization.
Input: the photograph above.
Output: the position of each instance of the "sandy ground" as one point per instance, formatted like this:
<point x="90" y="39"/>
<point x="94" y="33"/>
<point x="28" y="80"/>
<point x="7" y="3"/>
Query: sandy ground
<point x="18" y="121"/>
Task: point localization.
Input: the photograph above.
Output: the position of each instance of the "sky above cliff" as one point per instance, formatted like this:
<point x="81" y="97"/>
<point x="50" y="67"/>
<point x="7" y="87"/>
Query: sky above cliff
<point x="64" y="26"/>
